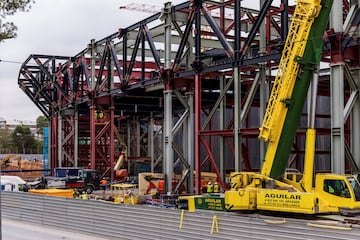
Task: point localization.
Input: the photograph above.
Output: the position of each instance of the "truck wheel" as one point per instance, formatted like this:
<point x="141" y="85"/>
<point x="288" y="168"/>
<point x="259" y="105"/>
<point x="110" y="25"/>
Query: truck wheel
<point x="89" y="189"/>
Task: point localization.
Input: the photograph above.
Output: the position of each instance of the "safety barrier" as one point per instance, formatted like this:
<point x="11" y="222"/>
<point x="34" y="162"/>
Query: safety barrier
<point x="113" y="221"/>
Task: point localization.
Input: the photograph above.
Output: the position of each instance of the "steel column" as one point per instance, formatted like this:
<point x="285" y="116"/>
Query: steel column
<point x="190" y="140"/>
<point x="222" y="123"/>
<point x="151" y="144"/>
<point x="197" y="134"/>
<point x="168" y="159"/>
<point x="59" y="140"/>
<point x="337" y="98"/>
<point x="355" y="121"/>
<point x="92" y="137"/>
<point x="112" y="138"/>
<point x="76" y="139"/>
<point x="237" y="111"/>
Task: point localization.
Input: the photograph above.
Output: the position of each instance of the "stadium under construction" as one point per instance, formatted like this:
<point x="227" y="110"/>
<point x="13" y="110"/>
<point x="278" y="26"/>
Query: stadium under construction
<point x="184" y="91"/>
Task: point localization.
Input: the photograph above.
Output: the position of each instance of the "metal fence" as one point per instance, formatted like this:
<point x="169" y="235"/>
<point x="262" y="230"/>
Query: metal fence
<point x="112" y="221"/>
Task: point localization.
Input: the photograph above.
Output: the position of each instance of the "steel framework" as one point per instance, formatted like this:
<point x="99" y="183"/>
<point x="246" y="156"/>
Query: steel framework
<point x="202" y="71"/>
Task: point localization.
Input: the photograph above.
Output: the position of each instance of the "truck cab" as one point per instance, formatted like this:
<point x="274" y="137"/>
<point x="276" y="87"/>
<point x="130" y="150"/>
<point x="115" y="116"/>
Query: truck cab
<point x="91" y="179"/>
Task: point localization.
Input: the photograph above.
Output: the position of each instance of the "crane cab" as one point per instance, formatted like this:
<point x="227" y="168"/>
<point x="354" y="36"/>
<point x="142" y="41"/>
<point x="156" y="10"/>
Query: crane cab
<point x="342" y="191"/>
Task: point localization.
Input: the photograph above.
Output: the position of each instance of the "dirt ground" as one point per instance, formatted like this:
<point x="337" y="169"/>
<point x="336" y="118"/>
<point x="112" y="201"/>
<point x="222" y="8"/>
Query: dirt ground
<point x="24" y="165"/>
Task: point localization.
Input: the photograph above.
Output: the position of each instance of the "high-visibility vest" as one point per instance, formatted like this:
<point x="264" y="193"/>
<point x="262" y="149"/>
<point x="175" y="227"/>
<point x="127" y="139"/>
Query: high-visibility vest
<point x="216" y="188"/>
<point x="209" y="188"/>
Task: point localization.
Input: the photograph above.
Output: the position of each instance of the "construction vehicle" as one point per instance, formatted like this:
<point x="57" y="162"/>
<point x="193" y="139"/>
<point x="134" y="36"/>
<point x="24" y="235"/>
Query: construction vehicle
<point x="5" y="161"/>
<point x="124" y="193"/>
<point x="84" y="180"/>
<point x="13" y="184"/>
<point x="275" y="188"/>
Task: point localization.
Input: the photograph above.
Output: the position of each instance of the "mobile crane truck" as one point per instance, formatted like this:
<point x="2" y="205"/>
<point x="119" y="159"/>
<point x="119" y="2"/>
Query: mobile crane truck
<point x="275" y="188"/>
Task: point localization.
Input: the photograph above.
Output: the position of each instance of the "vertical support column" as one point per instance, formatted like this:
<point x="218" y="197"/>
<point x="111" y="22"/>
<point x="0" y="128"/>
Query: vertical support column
<point x="151" y="146"/>
<point x="237" y="110"/>
<point x="54" y="146"/>
<point x="197" y="105"/>
<point x="237" y="86"/>
<point x="222" y="122"/>
<point x="76" y="138"/>
<point x="197" y="134"/>
<point x="264" y="95"/>
<point x="92" y="136"/>
<point x="92" y="107"/>
<point x="355" y="122"/>
<point x="168" y="158"/>
<point x="129" y="145"/>
<point x="168" y="138"/>
<point x="59" y="140"/>
<point x="112" y="138"/>
<point x="190" y="140"/>
<point x="138" y="136"/>
<point x="337" y="96"/>
<point x="263" y="85"/>
<point x="355" y="116"/>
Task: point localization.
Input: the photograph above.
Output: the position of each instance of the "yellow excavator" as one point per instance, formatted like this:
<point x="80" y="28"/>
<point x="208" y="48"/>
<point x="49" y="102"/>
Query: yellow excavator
<point x="277" y="188"/>
<point x="5" y="161"/>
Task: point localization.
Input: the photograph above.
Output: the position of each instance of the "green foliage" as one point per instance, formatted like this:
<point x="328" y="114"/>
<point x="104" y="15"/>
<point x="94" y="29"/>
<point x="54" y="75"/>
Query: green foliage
<point x="23" y="141"/>
<point x="5" y="140"/>
<point x="8" y="8"/>
<point x="41" y="122"/>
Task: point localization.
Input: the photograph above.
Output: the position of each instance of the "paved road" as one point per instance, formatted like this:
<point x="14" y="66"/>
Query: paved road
<point x="15" y="230"/>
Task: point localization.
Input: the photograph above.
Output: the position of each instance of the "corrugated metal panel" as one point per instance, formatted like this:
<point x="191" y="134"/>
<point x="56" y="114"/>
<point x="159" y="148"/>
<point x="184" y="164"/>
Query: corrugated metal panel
<point x="146" y="222"/>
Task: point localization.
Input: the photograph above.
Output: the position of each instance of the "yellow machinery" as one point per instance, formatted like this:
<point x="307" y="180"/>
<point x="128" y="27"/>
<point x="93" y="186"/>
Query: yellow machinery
<point x="10" y="158"/>
<point x="275" y="188"/>
<point x="124" y="193"/>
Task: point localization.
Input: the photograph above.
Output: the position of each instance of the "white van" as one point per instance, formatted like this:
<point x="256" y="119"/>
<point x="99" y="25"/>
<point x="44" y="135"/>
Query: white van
<point x="13" y="184"/>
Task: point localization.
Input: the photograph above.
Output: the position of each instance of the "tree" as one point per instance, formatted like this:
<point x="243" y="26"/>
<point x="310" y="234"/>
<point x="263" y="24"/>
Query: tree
<point x="41" y="122"/>
<point x="8" y="8"/>
<point x="23" y="140"/>
<point x="5" y="140"/>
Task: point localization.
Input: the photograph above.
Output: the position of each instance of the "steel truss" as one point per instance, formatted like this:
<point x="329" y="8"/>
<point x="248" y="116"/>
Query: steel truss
<point x="202" y="69"/>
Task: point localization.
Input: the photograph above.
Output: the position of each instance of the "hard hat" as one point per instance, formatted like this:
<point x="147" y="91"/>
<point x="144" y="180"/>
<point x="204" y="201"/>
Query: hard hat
<point x="209" y="182"/>
<point x="216" y="183"/>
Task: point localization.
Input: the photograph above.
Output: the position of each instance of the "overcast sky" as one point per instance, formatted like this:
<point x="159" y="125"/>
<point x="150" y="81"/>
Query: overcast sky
<point x="59" y="27"/>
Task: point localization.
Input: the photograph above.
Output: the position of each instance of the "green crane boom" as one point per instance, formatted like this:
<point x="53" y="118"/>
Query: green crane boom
<point x="296" y="70"/>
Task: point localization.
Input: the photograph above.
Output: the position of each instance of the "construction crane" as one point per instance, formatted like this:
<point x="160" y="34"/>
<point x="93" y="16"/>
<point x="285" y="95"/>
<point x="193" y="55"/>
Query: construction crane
<point x="140" y="7"/>
<point x="275" y="188"/>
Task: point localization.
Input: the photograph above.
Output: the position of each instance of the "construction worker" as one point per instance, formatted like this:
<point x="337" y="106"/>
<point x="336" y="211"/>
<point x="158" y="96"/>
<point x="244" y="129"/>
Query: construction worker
<point x="216" y="187"/>
<point x="209" y="188"/>
<point x="84" y="195"/>
<point x="103" y="184"/>
<point x="75" y="193"/>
